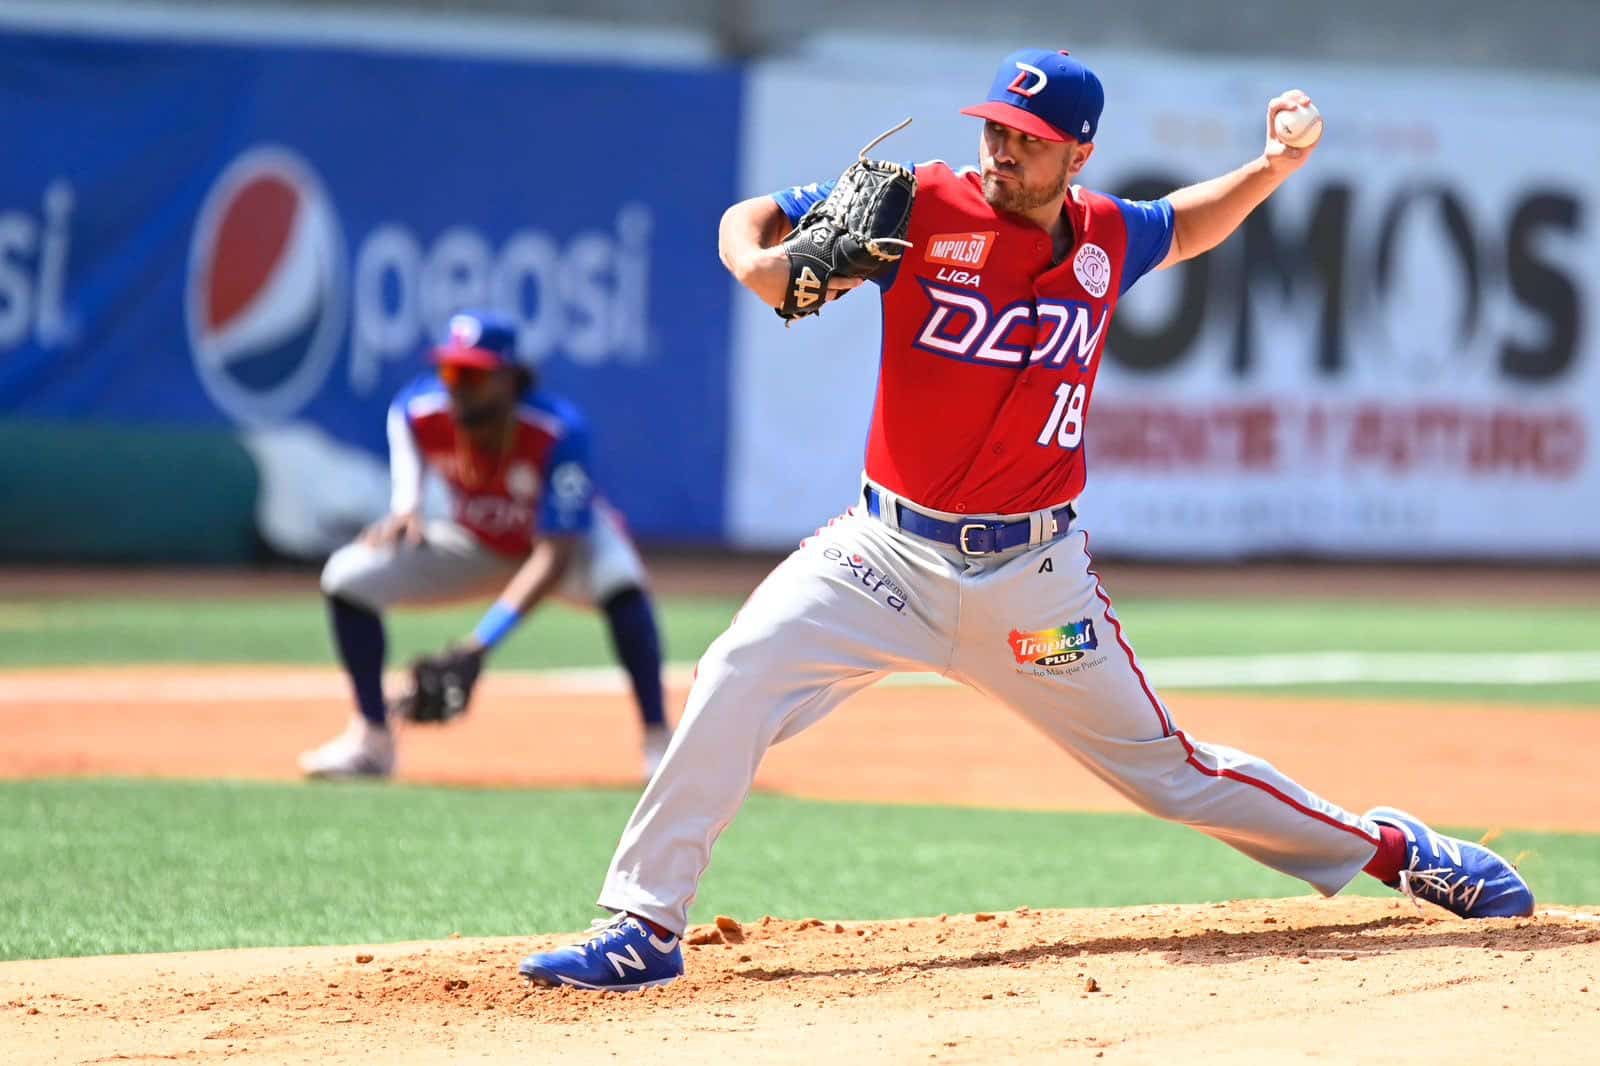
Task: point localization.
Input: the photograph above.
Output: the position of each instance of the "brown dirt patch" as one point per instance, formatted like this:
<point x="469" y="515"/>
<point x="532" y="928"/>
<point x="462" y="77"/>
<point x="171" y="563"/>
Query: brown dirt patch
<point x="1261" y="982"/>
<point x="1469" y="765"/>
<point x="1257" y="982"/>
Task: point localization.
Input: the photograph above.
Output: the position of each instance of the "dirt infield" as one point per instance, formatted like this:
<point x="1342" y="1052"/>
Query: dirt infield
<point x="890" y="744"/>
<point x="1347" y="980"/>
<point x="1265" y="982"/>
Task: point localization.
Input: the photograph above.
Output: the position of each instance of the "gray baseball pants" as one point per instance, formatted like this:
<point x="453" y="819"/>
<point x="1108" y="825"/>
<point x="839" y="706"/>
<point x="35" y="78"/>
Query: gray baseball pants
<point x="451" y="564"/>
<point x="1032" y="628"/>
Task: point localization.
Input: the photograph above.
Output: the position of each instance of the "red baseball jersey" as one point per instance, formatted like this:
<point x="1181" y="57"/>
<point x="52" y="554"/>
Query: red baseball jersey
<point x="539" y="483"/>
<point x="990" y="348"/>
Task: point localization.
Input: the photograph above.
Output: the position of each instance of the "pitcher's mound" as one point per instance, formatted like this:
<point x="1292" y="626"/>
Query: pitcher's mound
<point x="1268" y="982"/>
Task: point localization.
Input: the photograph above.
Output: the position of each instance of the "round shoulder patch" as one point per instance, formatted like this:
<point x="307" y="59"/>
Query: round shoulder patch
<point x="522" y="482"/>
<point x="1093" y="267"/>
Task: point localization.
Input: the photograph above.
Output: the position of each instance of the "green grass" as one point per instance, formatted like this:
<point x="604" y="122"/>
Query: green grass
<point x="104" y="866"/>
<point x="292" y="629"/>
<point x="1219" y="627"/>
<point x="295" y="630"/>
<point x="1224" y="627"/>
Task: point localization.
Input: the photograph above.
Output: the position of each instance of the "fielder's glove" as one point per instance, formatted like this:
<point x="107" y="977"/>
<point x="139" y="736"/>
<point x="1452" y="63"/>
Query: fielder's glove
<point x="441" y="686"/>
<point x="858" y="231"/>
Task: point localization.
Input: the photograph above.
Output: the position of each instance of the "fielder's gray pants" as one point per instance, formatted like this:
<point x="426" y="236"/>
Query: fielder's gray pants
<point x="451" y="564"/>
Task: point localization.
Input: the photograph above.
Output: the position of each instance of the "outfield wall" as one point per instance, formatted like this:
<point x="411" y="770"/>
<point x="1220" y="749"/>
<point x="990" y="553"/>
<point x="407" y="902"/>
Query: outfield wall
<point x="263" y="237"/>
<point x="231" y="234"/>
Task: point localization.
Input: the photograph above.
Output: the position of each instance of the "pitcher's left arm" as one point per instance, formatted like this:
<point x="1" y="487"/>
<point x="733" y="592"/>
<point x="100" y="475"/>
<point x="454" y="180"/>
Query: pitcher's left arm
<point x="1204" y="215"/>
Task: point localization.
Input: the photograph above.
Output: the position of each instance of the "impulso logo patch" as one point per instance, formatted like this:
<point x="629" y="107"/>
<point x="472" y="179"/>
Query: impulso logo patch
<point x="968" y="250"/>
<point x="1054" y="647"/>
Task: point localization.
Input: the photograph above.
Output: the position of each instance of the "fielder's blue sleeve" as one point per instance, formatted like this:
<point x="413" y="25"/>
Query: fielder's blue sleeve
<point x="568" y="505"/>
<point x="1150" y="224"/>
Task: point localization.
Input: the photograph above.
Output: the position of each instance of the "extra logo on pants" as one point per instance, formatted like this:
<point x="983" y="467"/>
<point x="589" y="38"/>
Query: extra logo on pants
<point x="882" y="586"/>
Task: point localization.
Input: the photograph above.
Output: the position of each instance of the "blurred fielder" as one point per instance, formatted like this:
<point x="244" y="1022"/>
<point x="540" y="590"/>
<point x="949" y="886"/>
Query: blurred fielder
<point x="527" y="523"/>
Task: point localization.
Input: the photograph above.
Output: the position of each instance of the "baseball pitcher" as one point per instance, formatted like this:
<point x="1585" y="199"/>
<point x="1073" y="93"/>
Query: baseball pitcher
<point x="527" y="523"/>
<point x="963" y="555"/>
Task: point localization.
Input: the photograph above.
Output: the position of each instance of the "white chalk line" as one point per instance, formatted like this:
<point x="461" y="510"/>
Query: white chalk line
<point x="212" y="684"/>
<point x="1466" y="668"/>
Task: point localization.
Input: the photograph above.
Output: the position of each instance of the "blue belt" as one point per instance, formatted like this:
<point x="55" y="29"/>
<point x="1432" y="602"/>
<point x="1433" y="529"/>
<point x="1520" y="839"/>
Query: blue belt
<point x="972" y="536"/>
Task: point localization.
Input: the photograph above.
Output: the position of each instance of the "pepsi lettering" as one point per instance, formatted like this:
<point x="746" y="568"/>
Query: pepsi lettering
<point x="33" y="269"/>
<point x="270" y="284"/>
<point x="587" y="298"/>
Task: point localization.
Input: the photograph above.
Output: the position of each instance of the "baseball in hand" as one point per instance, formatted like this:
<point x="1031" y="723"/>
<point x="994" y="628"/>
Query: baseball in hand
<point x="1298" y="127"/>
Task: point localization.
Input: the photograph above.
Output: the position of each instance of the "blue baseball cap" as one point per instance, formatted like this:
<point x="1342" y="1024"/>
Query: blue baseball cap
<point x="1047" y="94"/>
<point x="481" y="339"/>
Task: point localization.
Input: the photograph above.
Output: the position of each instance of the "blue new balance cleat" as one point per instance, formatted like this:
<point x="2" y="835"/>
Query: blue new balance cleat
<point x="1458" y="875"/>
<point x="623" y="955"/>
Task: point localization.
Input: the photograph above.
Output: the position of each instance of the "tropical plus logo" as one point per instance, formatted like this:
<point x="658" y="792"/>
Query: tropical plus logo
<point x="265" y="299"/>
<point x="1054" y="647"/>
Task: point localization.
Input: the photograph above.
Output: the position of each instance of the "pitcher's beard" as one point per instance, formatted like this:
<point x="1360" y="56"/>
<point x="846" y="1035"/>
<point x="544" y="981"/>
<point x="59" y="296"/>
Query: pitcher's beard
<point x="1018" y="199"/>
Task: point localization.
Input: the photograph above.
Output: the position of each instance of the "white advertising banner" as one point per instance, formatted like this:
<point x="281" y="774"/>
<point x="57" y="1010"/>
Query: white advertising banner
<point x="1396" y="356"/>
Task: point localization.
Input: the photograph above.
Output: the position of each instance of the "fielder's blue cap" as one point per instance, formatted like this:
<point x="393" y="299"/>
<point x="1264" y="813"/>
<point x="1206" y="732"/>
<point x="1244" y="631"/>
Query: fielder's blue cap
<point x="481" y="339"/>
<point x="1047" y="94"/>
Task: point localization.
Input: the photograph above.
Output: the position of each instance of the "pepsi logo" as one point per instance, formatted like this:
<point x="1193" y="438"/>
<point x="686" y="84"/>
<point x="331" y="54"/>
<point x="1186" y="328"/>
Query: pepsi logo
<point x="265" y="297"/>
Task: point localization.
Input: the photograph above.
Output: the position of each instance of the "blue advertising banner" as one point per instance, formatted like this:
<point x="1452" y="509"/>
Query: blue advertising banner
<point x="270" y="237"/>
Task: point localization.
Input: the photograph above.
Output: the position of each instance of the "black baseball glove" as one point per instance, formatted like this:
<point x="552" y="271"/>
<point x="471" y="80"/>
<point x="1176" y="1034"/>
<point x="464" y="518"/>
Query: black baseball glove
<point x="441" y="686"/>
<point x="858" y="231"/>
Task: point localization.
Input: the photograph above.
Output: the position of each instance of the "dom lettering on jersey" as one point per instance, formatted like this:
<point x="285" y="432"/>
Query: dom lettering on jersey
<point x="963" y="326"/>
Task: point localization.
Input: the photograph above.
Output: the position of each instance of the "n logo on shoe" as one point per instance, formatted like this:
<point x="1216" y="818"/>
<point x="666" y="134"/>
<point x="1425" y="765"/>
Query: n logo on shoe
<point x="631" y="960"/>
<point x="1449" y="847"/>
